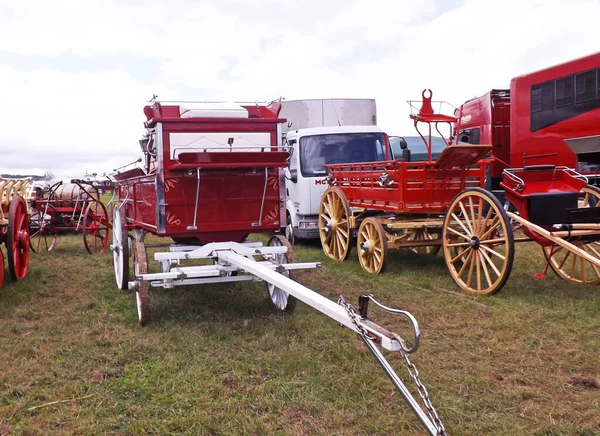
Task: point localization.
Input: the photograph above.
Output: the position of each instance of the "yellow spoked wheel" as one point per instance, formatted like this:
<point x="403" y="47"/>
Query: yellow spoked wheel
<point x="571" y="267"/>
<point x="334" y="224"/>
<point x="372" y="246"/>
<point x="424" y="235"/>
<point x="478" y="242"/>
<point x="589" y="196"/>
<point x="568" y="265"/>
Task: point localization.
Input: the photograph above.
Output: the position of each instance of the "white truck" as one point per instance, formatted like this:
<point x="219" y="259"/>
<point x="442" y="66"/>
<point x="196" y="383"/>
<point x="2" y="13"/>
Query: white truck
<point x="319" y="132"/>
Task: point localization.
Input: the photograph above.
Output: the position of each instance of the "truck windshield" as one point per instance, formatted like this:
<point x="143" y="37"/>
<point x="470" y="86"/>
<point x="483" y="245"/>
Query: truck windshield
<point x="318" y="150"/>
<point x="417" y="147"/>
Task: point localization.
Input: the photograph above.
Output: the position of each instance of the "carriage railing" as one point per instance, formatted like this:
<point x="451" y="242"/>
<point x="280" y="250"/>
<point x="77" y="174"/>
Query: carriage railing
<point x="10" y="188"/>
<point x="517" y="184"/>
<point x="396" y="186"/>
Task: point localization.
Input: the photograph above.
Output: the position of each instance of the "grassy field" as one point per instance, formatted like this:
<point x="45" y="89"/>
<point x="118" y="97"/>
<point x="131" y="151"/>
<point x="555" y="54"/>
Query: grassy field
<point x="220" y="359"/>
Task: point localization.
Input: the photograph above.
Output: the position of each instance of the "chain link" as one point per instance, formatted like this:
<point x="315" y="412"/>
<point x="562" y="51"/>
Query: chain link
<point x="412" y="369"/>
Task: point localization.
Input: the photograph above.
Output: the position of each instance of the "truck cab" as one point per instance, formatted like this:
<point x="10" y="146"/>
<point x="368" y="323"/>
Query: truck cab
<point x="306" y="176"/>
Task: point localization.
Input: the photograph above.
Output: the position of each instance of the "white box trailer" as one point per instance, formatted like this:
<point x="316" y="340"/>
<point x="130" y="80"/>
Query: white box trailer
<point x="322" y="132"/>
<point x="303" y="114"/>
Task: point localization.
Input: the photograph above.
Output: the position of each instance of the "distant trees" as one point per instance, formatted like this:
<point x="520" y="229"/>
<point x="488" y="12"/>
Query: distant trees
<point x="48" y="176"/>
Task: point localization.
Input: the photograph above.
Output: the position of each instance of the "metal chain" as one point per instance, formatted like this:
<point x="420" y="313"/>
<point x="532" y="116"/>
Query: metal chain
<point x="414" y="373"/>
<point x="412" y="369"/>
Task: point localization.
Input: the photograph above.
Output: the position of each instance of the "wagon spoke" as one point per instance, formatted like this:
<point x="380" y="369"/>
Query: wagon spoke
<point x="583" y="269"/>
<point x="462" y="254"/>
<point x="492" y="241"/>
<point x="486" y="221"/>
<point x="494" y="252"/>
<point x="495" y="223"/>
<point x="474" y="220"/>
<point x="591" y="247"/>
<point x="594" y="267"/>
<point x="458" y="244"/>
<point x="450" y="229"/>
<point x="478" y="272"/>
<point x="491" y="263"/>
<point x="485" y="270"/>
<point x="573" y="265"/>
<point x="564" y="260"/>
<point x="480" y="214"/>
<point x="472" y="264"/>
<point x="466" y="216"/>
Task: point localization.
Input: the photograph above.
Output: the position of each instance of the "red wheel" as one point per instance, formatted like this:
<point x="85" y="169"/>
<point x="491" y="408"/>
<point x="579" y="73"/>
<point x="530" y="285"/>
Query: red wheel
<point x="95" y="228"/>
<point x="17" y="238"/>
<point x="42" y="229"/>
<point x="1" y="268"/>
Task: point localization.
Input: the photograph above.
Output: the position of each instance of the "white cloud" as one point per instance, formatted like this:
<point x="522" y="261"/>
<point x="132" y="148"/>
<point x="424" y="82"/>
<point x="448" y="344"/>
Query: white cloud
<point x="88" y="118"/>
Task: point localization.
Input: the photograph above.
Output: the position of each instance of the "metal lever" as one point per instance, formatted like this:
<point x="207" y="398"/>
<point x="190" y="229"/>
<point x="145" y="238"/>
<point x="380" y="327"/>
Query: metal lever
<point x="193" y="227"/>
<point x="363" y="309"/>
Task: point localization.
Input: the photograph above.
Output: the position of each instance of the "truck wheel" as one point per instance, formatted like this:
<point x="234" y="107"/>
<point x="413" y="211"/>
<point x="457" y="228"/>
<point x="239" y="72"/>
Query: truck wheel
<point x="289" y="231"/>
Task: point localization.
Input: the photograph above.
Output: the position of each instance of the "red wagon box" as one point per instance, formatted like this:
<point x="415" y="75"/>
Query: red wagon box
<point x="210" y="175"/>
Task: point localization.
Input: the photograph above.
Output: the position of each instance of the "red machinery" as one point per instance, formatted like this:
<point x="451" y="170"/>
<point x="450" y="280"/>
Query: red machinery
<point x="213" y="174"/>
<point x="551" y="116"/>
<point x="73" y="206"/>
<point x="14" y="226"/>
<point x="404" y="204"/>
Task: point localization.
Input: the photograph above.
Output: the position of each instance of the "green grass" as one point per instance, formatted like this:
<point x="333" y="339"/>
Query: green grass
<point x="219" y="359"/>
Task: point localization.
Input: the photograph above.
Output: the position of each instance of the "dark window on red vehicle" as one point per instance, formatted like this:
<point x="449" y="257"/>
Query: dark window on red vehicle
<point x="470" y="136"/>
<point x="585" y="86"/>
<point x="542" y="97"/>
<point x="564" y="91"/>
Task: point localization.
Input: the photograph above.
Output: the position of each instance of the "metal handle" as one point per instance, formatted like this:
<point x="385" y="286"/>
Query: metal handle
<point x="363" y="308"/>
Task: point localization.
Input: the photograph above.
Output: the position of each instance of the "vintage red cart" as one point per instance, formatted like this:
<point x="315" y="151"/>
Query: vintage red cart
<point x="14" y="226"/>
<point x="399" y="203"/>
<point x="213" y="174"/>
<point x="73" y="206"/>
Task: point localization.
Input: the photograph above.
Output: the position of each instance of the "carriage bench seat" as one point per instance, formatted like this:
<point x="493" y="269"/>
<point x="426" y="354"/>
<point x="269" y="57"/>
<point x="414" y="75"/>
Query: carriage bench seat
<point x="546" y="208"/>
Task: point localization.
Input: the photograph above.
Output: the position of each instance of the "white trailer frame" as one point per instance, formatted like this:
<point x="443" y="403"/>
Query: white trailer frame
<point x="233" y="257"/>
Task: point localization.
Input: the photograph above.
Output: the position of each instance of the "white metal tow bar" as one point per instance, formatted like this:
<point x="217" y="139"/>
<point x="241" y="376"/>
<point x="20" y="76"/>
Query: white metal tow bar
<point x="229" y="257"/>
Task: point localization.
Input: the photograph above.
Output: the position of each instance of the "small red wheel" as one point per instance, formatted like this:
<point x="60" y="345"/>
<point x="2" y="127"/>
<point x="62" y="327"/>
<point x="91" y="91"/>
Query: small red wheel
<point x="42" y="228"/>
<point x="95" y="228"/>
<point x="17" y="238"/>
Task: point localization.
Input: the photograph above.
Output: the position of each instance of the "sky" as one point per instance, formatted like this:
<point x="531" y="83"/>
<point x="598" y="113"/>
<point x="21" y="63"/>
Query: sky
<point x="75" y="74"/>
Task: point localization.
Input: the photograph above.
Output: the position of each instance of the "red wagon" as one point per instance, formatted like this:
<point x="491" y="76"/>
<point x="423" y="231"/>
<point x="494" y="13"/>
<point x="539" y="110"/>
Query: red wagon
<point x="213" y="174"/>
<point x="73" y="206"/>
<point x="14" y="226"/>
<point x="426" y="205"/>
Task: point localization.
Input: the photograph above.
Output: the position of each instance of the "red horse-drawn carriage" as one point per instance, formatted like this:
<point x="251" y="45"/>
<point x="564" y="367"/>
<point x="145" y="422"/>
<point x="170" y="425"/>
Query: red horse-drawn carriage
<point x="399" y="203"/>
<point x="14" y="226"/>
<point x="213" y="174"/>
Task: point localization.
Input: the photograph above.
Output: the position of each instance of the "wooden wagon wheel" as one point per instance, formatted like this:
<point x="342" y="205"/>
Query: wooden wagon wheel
<point x="372" y="246"/>
<point x="334" y="224"/>
<point x="568" y="265"/>
<point x="281" y="299"/>
<point x="478" y="242"/>
<point x="95" y="228"/>
<point x="424" y="234"/>
<point x="42" y="227"/>
<point x="142" y="296"/>
<point x="17" y="238"/>
<point x="120" y="247"/>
